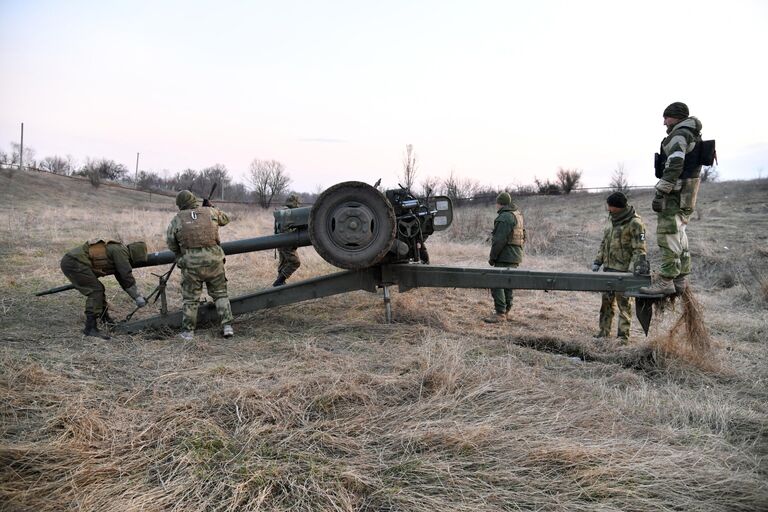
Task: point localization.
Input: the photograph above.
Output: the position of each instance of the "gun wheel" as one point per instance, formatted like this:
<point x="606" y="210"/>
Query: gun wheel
<point x="352" y="225"/>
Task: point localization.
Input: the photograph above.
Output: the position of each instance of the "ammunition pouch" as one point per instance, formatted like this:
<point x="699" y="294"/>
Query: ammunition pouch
<point x="197" y="229"/>
<point x="137" y="252"/>
<point x="100" y="262"/>
<point x="517" y="236"/>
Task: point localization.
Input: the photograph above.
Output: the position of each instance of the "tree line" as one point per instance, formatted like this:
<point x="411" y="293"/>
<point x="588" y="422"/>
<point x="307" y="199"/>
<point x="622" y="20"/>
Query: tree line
<point x="268" y="182"/>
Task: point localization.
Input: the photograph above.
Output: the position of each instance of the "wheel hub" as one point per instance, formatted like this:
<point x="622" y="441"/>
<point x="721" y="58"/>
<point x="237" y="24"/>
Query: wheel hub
<point x="351" y="226"/>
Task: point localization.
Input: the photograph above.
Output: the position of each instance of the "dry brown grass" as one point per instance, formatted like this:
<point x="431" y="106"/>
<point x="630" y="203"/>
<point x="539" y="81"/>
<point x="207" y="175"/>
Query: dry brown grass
<point x="322" y="406"/>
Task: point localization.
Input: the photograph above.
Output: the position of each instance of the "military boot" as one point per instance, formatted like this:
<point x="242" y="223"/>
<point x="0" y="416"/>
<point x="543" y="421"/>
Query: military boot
<point x="91" y="329"/>
<point x="662" y="286"/>
<point x="280" y="281"/>
<point x="681" y="283"/>
<point x="495" y="318"/>
<point x="508" y="314"/>
<point x="227" y="331"/>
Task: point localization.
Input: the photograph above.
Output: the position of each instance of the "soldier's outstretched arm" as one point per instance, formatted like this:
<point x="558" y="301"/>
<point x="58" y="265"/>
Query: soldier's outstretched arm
<point x="221" y="217"/>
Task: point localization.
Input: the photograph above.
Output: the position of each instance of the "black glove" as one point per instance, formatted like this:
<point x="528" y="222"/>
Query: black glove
<point x="642" y="266"/>
<point x="206" y="202"/>
<point x="656" y="204"/>
<point x="596" y="266"/>
<point x="491" y="262"/>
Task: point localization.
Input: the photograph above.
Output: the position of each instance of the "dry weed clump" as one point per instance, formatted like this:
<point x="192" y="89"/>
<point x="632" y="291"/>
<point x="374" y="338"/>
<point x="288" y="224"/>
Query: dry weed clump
<point x="688" y="339"/>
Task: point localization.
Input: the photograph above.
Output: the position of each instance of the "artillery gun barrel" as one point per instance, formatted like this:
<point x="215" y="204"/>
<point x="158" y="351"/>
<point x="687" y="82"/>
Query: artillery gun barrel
<point x="298" y="238"/>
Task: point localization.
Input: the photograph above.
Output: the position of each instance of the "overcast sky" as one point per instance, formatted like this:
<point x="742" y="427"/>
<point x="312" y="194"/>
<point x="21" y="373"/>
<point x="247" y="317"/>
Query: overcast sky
<point x="497" y="91"/>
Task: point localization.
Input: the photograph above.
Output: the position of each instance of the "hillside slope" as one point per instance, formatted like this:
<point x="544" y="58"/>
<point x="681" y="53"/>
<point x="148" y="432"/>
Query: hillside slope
<point x="323" y="406"/>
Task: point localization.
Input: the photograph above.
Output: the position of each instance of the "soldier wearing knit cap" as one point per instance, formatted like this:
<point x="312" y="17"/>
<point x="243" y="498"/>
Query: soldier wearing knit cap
<point x="622" y="248"/>
<point x="675" y="198"/>
<point x="507" y="243"/>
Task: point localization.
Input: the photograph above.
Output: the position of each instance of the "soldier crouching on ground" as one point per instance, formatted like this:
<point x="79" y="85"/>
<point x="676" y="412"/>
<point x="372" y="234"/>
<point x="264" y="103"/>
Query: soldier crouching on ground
<point x="193" y="235"/>
<point x="86" y="263"/>
<point x="289" y="257"/>
<point x="622" y="248"/>
<point x="506" y="251"/>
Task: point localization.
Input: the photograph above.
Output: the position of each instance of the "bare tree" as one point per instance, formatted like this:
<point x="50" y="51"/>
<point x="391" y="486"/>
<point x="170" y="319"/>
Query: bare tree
<point x="619" y="182"/>
<point x="547" y="187"/>
<point x="409" y="167"/>
<point x="29" y="155"/>
<point x="429" y="185"/>
<point x="268" y="179"/>
<point x="215" y="174"/>
<point x="451" y="186"/>
<point x="103" y="169"/>
<point x="568" y="179"/>
<point x="55" y="164"/>
<point x="709" y="173"/>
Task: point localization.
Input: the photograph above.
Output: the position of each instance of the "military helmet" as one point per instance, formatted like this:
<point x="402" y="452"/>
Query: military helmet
<point x="137" y="252"/>
<point x="292" y="200"/>
<point x="186" y="200"/>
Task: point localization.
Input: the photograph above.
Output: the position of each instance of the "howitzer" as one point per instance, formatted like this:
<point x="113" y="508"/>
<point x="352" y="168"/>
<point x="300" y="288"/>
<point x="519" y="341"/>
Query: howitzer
<point x="376" y="238"/>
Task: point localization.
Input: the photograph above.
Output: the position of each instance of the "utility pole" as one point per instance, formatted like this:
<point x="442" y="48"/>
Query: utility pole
<point x="136" y="175"/>
<point x="21" y="149"/>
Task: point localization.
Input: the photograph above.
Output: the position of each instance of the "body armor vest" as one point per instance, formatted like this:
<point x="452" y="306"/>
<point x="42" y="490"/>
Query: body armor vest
<point x="517" y="236"/>
<point x="197" y="229"/>
<point x="100" y="262"/>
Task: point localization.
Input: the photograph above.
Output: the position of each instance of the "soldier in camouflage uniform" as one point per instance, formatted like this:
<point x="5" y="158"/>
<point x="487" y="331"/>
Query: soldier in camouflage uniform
<point x="86" y="263"/>
<point x="289" y="257"/>
<point x="506" y="251"/>
<point x="675" y="198"/>
<point x="193" y="235"/>
<point x="622" y="248"/>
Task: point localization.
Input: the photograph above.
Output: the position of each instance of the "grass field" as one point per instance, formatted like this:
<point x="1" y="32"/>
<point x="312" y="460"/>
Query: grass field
<point x="323" y="406"/>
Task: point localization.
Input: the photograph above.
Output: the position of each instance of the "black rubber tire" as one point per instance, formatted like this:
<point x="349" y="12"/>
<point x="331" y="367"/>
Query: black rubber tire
<point x="330" y="206"/>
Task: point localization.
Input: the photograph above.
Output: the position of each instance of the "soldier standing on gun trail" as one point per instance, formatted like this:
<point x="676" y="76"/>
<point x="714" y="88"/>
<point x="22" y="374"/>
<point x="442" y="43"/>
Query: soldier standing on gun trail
<point x="193" y="235"/>
<point x="622" y="248"/>
<point x="506" y="251"/>
<point x="675" y="198"/>
<point x="289" y="257"/>
<point x="86" y="263"/>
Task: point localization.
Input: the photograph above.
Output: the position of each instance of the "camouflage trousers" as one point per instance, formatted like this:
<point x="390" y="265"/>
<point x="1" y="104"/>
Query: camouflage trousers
<point x="673" y="240"/>
<point x="86" y="282"/>
<point x="607" y="311"/>
<point x="215" y="280"/>
<point x="502" y="297"/>
<point x="289" y="261"/>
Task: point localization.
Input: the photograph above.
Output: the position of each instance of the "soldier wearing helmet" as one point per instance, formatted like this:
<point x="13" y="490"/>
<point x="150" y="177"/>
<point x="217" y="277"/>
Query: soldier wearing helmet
<point x="96" y="258"/>
<point x="289" y="258"/>
<point x="193" y="235"/>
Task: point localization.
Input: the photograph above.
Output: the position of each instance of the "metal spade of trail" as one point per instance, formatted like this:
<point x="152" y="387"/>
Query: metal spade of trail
<point x="379" y="239"/>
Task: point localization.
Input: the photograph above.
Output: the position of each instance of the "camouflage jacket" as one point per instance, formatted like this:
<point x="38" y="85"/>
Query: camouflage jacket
<point x="118" y="256"/>
<point x="201" y="256"/>
<point x="501" y="250"/>
<point x="680" y="140"/>
<point x="623" y="241"/>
